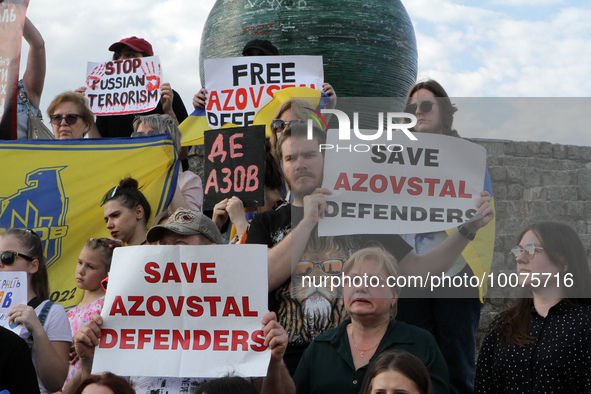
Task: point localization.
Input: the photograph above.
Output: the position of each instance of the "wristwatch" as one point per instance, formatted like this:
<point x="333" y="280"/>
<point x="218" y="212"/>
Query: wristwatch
<point x="466" y="233"/>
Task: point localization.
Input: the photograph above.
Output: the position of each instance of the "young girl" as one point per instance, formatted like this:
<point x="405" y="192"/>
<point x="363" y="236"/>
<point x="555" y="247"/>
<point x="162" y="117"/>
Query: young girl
<point x="46" y="327"/>
<point x="397" y="371"/>
<point x="93" y="266"/>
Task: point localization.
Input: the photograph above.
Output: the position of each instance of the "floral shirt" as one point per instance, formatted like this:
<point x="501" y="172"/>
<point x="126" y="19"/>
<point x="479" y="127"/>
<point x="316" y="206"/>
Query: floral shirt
<point x="78" y="317"/>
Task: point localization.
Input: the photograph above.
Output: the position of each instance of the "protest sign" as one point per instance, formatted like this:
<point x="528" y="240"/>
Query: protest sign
<point x="12" y="19"/>
<point x="191" y="306"/>
<point x="125" y="86"/>
<point x="400" y="186"/>
<point x="239" y="87"/>
<point x="55" y="188"/>
<point x="230" y="170"/>
<point x="13" y="291"/>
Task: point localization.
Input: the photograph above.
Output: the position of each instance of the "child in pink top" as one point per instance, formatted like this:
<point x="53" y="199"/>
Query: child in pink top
<point x="94" y="263"/>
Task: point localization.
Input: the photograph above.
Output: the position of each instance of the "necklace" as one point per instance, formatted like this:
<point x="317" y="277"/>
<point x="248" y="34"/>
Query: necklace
<point x="361" y="351"/>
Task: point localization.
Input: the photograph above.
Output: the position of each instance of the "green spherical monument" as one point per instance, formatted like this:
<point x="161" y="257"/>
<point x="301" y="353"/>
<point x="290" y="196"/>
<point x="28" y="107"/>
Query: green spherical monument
<point x="368" y="46"/>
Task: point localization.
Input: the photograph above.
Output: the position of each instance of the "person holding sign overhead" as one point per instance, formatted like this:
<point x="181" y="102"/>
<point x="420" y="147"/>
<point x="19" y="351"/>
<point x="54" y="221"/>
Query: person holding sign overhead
<point x="259" y="47"/>
<point x="453" y="316"/>
<point x="289" y="230"/>
<point x="170" y="102"/>
<point x="31" y="85"/>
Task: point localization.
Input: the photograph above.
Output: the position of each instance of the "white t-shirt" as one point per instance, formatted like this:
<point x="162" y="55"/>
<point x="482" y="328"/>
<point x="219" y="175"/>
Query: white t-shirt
<point x="57" y="327"/>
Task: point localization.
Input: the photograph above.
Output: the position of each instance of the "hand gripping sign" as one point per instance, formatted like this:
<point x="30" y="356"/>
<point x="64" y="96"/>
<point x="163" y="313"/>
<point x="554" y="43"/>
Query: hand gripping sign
<point x="128" y="86"/>
<point x="400" y="186"/>
<point x="189" y="307"/>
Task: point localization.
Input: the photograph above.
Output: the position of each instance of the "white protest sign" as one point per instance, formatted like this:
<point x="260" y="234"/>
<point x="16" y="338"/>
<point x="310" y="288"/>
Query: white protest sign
<point x="197" y="309"/>
<point x="400" y="186"/>
<point x="239" y="87"/>
<point x="119" y="87"/>
<point x="13" y="291"/>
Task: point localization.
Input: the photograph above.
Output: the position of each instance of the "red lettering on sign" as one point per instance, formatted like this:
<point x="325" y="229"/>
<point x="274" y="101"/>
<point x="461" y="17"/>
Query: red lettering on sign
<point x="137" y="302"/>
<point x="207" y="272"/>
<point x="160" y="336"/>
<point x="229" y="93"/>
<point x="108" y="338"/>
<point x="219" y="341"/>
<point x="197" y="334"/>
<point x="258" y="337"/>
<point x="252" y="180"/>
<point x="126" y="338"/>
<point x="150" y="269"/>
<point x="217" y="149"/>
<point x="239" y="338"/>
<point x="234" y="145"/>
<point x="342" y="182"/>
<point x="118" y="307"/>
<point x="193" y="303"/>
<point x="357" y="186"/>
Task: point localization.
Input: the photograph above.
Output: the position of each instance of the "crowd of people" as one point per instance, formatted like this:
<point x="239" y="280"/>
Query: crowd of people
<point x="361" y="340"/>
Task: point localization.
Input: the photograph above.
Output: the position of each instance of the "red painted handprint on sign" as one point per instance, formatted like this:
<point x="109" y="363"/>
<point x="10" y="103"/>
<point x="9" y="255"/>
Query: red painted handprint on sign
<point x="152" y="76"/>
<point x="95" y="76"/>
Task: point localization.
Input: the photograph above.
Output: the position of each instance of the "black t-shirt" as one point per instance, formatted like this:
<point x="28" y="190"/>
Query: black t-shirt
<point x="122" y="125"/>
<point x="303" y="310"/>
<point x="17" y="373"/>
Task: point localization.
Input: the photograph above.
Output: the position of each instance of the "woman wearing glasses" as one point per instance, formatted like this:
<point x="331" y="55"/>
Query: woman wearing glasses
<point x="542" y="343"/>
<point x="70" y="117"/>
<point x="337" y="360"/>
<point x="127" y="212"/>
<point x="46" y="326"/>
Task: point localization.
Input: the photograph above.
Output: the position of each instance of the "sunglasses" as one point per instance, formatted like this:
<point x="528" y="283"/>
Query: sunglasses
<point x="279" y="125"/>
<point x="426" y="106"/>
<point x="530" y="250"/>
<point x="8" y="258"/>
<point x="70" y="119"/>
<point x="140" y="134"/>
<point x="329" y="267"/>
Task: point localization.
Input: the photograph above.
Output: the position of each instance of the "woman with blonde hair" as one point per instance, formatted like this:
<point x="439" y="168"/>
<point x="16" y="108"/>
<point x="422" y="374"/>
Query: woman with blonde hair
<point x="337" y="360"/>
<point x="70" y="116"/>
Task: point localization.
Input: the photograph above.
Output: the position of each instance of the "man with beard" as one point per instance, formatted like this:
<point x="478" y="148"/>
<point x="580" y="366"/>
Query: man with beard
<point x="291" y="234"/>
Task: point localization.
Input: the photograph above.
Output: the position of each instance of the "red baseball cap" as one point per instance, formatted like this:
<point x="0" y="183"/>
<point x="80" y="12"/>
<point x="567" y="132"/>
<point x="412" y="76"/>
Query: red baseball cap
<point x="137" y="44"/>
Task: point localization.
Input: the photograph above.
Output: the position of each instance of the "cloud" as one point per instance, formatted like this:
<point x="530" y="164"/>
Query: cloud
<point x="76" y="35"/>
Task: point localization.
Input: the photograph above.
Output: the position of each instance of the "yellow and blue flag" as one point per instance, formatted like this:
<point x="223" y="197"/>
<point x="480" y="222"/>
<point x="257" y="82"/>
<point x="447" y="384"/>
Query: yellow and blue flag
<point x="196" y="124"/>
<point x="479" y="252"/>
<point x="55" y="187"/>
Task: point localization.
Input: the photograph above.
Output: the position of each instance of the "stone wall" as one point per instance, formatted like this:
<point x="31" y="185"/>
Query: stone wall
<point x="534" y="181"/>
